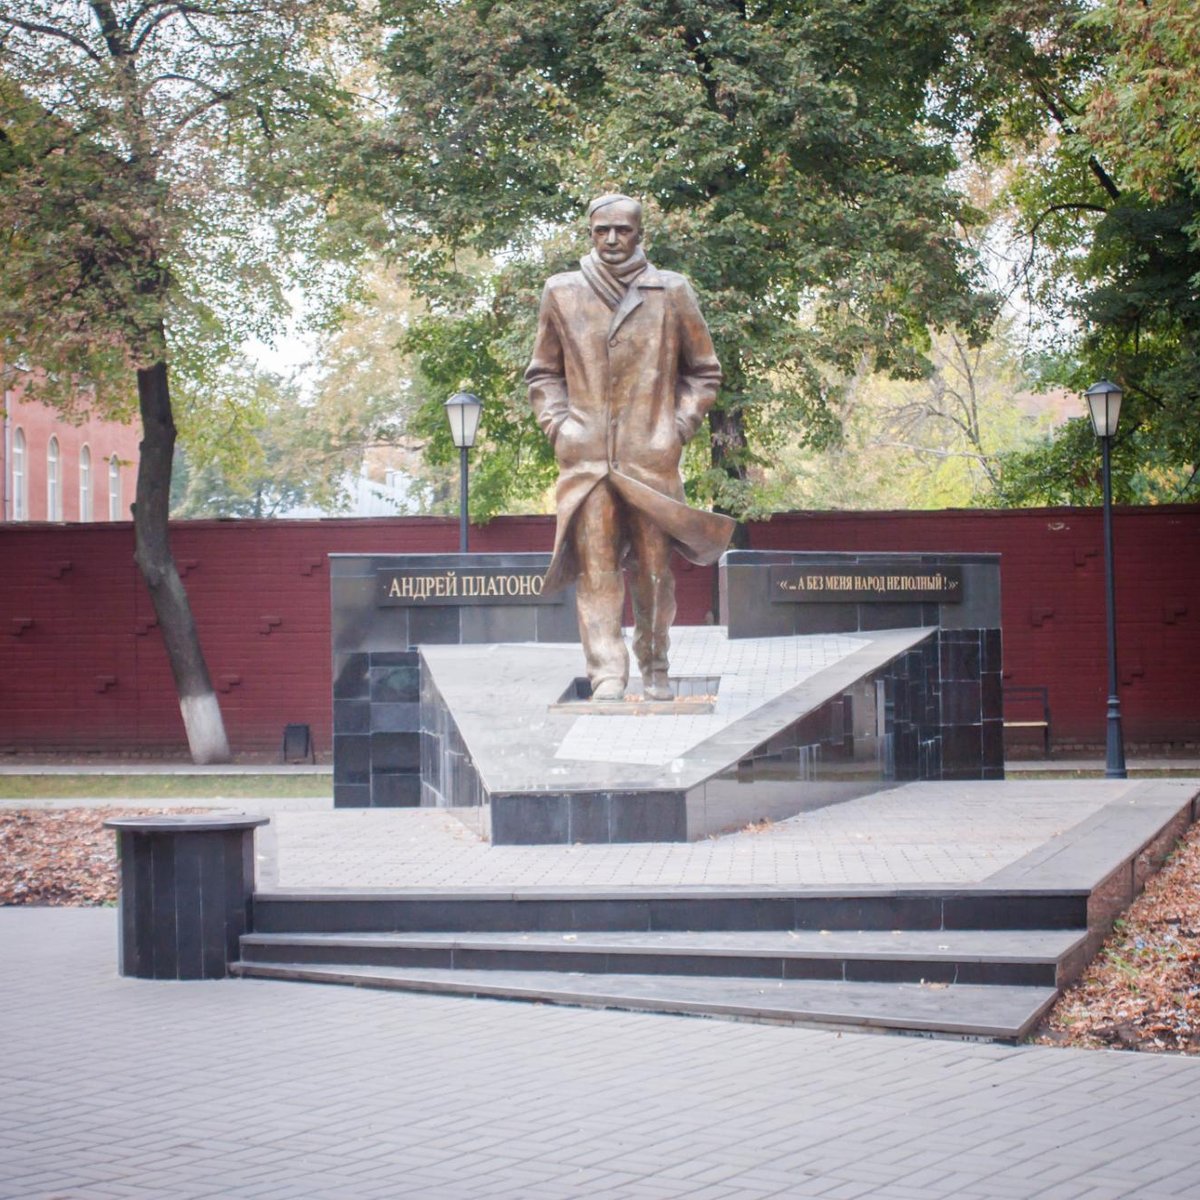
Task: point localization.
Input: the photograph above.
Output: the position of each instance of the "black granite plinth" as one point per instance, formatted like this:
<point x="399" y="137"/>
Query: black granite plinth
<point x="916" y="695"/>
<point x="380" y="615"/>
<point x="945" y="712"/>
<point x="186" y="886"/>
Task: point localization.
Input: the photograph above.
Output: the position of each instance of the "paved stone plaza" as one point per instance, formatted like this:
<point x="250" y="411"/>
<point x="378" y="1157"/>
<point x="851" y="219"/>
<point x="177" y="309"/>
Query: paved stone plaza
<point x="262" y="1090"/>
<point x="925" y="833"/>
<point x="112" y="1088"/>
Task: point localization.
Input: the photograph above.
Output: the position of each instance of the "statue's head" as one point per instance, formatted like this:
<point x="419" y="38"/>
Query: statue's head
<point x="615" y="223"/>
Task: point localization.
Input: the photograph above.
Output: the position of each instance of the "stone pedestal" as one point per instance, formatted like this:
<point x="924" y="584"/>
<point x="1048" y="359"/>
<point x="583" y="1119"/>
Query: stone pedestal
<point x="945" y="703"/>
<point x="186" y="887"/>
<point x="386" y="605"/>
<point x="456" y="685"/>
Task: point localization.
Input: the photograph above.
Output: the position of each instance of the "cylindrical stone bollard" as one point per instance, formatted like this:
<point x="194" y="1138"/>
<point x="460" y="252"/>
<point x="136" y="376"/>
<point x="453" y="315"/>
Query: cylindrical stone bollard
<point x="186" y="889"/>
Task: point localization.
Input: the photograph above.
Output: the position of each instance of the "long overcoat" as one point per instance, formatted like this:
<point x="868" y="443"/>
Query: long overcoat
<point x="619" y="393"/>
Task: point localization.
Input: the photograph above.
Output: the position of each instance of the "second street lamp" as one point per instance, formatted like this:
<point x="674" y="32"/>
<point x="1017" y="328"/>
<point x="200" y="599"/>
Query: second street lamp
<point x="1104" y="407"/>
<point x="462" y="410"/>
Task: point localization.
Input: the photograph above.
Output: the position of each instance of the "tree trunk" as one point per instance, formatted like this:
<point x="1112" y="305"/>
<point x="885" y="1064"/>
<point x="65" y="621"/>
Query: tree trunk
<point x="197" y="700"/>
<point x="727" y="432"/>
<point x="727" y="437"/>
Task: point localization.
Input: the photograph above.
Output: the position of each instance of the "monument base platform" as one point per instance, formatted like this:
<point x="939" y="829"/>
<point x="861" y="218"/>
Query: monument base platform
<point x="456" y="685"/>
<point x="796" y="723"/>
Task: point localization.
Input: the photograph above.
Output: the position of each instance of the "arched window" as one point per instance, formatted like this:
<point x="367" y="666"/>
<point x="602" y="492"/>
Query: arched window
<point x="114" y="489"/>
<point x="85" y="484"/>
<point x="20" y="479"/>
<point x="53" y="482"/>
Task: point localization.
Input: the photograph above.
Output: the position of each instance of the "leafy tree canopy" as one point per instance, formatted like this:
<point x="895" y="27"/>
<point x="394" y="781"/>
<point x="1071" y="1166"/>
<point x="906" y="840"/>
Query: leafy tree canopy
<point x="151" y="196"/>
<point x="1145" y="111"/>
<point x="1096" y="108"/>
<point x="794" y="160"/>
<point x="928" y="443"/>
<point x="302" y="440"/>
<point x="152" y="183"/>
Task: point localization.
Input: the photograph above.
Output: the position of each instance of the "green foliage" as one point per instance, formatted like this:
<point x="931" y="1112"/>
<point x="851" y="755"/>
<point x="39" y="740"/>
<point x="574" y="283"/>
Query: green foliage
<point x="245" y="458"/>
<point x="1017" y="67"/>
<point x="152" y="178"/>
<point x="511" y="460"/>
<point x="1145" y="113"/>
<point x="790" y="160"/>
<point x="264" y="444"/>
<point x="930" y="443"/>
<point x="1123" y="287"/>
<point x="1096" y="107"/>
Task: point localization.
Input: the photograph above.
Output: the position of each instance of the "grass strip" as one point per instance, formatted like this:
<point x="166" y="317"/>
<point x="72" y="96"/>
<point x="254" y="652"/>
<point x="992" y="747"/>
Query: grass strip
<point x="173" y="786"/>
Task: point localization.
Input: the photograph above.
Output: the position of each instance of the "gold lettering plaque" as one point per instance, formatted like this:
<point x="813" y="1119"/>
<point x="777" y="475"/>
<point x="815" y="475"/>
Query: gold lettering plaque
<point x="417" y="586"/>
<point x="815" y="583"/>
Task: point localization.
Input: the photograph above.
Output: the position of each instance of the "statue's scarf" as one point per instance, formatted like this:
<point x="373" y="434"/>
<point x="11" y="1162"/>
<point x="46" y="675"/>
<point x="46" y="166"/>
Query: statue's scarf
<point x="611" y="283"/>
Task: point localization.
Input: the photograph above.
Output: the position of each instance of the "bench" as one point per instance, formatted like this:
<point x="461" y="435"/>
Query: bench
<point x="1029" y="700"/>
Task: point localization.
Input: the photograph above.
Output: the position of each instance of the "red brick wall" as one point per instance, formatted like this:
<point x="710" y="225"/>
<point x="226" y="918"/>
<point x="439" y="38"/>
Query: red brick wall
<point x="1052" y="599"/>
<point x="89" y="671"/>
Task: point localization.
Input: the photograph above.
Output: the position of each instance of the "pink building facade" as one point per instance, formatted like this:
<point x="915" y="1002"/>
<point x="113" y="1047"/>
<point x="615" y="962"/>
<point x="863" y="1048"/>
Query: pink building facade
<point x="54" y="470"/>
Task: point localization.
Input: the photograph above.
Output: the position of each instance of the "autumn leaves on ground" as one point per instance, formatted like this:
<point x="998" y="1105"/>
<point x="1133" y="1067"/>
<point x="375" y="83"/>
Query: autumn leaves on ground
<point x="1142" y="992"/>
<point x="60" y="856"/>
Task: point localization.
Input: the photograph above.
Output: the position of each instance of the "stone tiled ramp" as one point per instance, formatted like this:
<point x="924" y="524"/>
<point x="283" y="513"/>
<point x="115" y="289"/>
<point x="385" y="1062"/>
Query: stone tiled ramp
<point x="1026" y="958"/>
<point x="992" y="1013"/>
<point x="962" y="962"/>
<point x="784" y="928"/>
<point x="793" y="724"/>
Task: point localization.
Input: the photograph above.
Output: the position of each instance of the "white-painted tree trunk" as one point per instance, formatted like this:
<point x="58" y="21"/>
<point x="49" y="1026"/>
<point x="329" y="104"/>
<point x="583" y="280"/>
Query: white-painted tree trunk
<point x="205" y="728"/>
<point x="198" y="703"/>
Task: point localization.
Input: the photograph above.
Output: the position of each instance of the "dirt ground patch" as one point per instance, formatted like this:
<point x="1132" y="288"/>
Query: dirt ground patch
<point x="62" y="856"/>
<point x="1142" y="991"/>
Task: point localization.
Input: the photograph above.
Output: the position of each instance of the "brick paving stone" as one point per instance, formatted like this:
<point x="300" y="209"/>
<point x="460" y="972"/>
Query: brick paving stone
<point x="846" y="1190"/>
<point x="919" y="833"/>
<point x="249" y="1090"/>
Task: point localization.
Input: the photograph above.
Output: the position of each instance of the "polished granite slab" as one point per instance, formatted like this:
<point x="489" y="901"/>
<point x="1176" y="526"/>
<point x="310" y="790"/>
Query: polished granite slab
<point x="501" y="698"/>
<point x="797" y="723"/>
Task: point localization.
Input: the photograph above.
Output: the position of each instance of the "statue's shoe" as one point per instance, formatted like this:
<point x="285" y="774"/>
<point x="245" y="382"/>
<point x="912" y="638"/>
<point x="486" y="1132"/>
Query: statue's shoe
<point x="656" y="686"/>
<point x="609" y="689"/>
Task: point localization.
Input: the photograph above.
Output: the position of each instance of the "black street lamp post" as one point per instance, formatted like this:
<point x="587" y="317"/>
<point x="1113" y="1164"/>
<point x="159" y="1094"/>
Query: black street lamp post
<point x="462" y="410"/>
<point x="1104" y="406"/>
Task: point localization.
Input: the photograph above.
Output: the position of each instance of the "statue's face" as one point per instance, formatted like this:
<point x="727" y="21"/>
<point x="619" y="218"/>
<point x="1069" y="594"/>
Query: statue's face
<point x="616" y="231"/>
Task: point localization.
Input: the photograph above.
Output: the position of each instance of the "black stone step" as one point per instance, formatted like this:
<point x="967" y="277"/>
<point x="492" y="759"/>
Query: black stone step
<point x="461" y="910"/>
<point x="991" y="1013"/>
<point x="1032" y="958"/>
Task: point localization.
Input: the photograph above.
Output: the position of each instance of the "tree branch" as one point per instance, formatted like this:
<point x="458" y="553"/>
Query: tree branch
<point x="169" y="11"/>
<point x="933" y="452"/>
<point x="1105" y="180"/>
<point x="62" y="34"/>
<point x="110" y="29"/>
<point x="1047" y="212"/>
<point x="218" y="96"/>
<point x="1187" y="484"/>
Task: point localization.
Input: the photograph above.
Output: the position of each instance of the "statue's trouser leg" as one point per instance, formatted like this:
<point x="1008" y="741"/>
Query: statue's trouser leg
<point x="653" y="589"/>
<point x="600" y="588"/>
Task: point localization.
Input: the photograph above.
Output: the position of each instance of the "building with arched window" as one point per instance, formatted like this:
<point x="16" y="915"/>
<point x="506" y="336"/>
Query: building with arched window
<point x="85" y="483"/>
<point x="54" y="504"/>
<point x="51" y="466"/>
<point x="114" y="489"/>
<point x="19" y="478"/>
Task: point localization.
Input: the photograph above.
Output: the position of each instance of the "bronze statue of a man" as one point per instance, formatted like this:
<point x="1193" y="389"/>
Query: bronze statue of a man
<point x="623" y="372"/>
